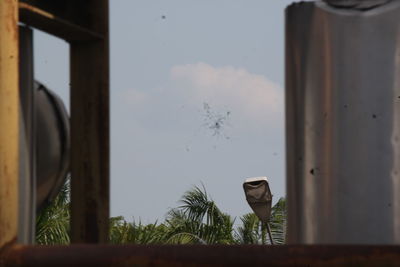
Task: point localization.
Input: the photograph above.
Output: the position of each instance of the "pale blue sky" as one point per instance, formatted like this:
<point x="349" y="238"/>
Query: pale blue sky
<point x="177" y="68"/>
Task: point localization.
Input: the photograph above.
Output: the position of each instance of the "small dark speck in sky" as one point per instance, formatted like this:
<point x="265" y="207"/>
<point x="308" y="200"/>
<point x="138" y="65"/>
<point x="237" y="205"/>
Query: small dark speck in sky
<point x="163" y="17"/>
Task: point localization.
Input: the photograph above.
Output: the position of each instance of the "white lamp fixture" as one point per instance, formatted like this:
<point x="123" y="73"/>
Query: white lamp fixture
<point x="259" y="197"/>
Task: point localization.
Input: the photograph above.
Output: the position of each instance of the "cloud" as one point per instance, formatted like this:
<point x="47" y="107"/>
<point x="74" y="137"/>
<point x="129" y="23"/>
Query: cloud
<point x="249" y="99"/>
<point x="252" y="96"/>
<point x="134" y="97"/>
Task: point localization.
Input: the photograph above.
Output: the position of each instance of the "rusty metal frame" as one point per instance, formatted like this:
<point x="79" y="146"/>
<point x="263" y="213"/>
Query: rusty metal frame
<point x="200" y="255"/>
<point x="84" y="24"/>
<point x="50" y="23"/>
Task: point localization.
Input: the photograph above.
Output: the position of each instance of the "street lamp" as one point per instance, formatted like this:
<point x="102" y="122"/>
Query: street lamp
<point x="259" y="197"/>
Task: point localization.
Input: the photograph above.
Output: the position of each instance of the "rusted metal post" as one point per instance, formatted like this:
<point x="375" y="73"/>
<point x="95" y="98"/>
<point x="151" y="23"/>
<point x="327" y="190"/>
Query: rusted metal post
<point x="9" y="120"/>
<point x="90" y="131"/>
<point x="200" y="255"/>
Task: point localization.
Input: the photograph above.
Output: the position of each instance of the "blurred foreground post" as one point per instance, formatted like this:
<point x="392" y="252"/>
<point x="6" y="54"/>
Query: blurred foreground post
<point x="9" y="120"/>
<point x="343" y="124"/>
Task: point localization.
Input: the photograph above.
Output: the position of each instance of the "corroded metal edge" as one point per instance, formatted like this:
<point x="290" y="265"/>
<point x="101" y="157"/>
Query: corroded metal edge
<point x="135" y="255"/>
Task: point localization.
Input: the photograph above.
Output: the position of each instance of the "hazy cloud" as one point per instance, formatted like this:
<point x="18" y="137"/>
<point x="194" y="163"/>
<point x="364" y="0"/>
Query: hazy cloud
<point x="248" y="98"/>
<point x="252" y="96"/>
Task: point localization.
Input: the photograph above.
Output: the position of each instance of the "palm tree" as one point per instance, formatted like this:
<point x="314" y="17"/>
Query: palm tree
<point x="252" y="232"/>
<point x="278" y="221"/>
<point x="249" y="232"/>
<point x="122" y="232"/>
<point x="199" y="220"/>
<point x="52" y="222"/>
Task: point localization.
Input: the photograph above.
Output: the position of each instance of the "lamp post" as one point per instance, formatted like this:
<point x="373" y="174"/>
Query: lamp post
<point x="259" y="197"/>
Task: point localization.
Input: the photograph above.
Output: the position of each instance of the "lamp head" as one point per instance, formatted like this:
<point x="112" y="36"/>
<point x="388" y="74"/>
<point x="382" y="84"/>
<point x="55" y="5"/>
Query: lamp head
<point x="259" y="197"/>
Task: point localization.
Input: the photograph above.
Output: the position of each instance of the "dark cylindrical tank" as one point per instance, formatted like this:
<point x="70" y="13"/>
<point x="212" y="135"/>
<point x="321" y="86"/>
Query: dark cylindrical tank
<point x="53" y="144"/>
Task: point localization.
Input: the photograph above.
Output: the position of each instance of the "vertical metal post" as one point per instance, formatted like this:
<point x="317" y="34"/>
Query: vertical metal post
<point x="343" y="124"/>
<point x="27" y="185"/>
<point x="90" y="132"/>
<point x="9" y="120"/>
<point x="271" y="239"/>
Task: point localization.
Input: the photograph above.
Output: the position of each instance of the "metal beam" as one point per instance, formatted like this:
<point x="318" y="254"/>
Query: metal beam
<point x="55" y="25"/>
<point x="200" y="255"/>
<point x="9" y="120"/>
<point x="90" y="132"/>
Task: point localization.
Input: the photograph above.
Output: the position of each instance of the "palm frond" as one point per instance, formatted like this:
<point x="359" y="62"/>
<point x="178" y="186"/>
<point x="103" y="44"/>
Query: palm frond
<point x="200" y="216"/>
<point x="278" y="221"/>
<point x="185" y="239"/>
<point x="52" y="222"/>
<point x="251" y="232"/>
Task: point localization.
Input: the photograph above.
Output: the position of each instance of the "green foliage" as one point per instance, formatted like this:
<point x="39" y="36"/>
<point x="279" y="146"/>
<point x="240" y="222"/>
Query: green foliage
<point x="52" y="222"/>
<point x="250" y="232"/>
<point x="198" y="220"/>
<point x="278" y="221"/>
<point x="122" y="232"/>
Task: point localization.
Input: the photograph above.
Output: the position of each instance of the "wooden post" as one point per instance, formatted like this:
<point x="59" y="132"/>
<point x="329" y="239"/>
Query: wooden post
<point x="90" y="131"/>
<point x="9" y="120"/>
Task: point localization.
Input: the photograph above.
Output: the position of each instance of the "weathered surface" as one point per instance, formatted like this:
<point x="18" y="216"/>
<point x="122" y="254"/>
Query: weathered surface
<point x="9" y="119"/>
<point x="343" y="130"/>
<point x="90" y="131"/>
<point x="103" y="255"/>
<point x="54" y="21"/>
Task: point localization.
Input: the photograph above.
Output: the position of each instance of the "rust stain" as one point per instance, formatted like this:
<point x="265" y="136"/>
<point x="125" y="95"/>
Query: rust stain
<point x="36" y="10"/>
<point x="8" y="120"/>
<point x="12" y="18"/>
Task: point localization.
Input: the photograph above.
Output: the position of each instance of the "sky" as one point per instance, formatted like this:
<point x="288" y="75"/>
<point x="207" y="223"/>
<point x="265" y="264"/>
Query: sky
<point x="197" y="99"/>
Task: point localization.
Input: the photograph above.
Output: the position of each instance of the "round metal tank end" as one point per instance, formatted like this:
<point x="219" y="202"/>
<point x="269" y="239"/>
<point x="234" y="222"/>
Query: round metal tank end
<point x="53" y="144"/>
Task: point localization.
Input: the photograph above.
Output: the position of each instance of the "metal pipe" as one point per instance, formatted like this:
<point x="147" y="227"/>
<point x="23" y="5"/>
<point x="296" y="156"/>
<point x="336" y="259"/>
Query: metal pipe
<point x="9" y="121"/>
<point x="343" y="124"/>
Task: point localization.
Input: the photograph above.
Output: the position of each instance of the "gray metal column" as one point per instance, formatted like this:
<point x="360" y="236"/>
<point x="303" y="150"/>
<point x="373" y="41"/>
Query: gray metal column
<point x="27" y="171"/>
<point x="343" y="124"/>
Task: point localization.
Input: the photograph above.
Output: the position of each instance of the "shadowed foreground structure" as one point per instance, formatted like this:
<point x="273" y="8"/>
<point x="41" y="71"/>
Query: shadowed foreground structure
<point x="103" y="255"/>
<point x="84" y="24"/>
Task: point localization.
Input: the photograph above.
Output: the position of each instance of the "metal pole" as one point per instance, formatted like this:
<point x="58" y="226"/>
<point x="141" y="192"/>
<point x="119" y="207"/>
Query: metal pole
<point x="343" y="124"/>
<point x="263" y="235"/>
<point x="27" y="187"/>
<point x="269" y="233"/>
<point x="9" y="120"/>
